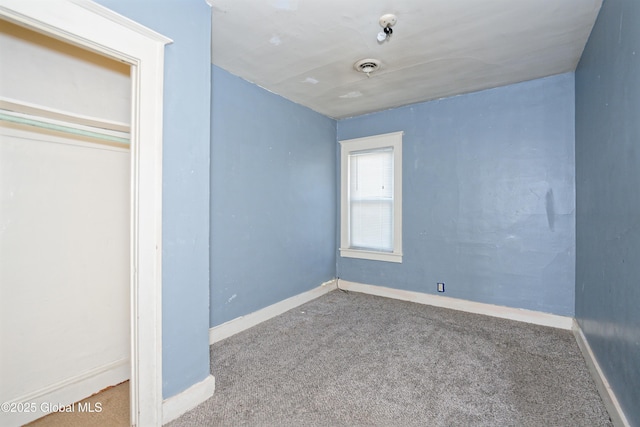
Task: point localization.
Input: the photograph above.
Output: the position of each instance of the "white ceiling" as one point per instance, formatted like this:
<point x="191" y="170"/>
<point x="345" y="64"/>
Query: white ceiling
<point x="304" y="50"/>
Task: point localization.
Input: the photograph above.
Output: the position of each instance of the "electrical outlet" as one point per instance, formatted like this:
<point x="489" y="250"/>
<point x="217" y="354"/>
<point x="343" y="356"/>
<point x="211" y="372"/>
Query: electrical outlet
<point x="440" y="287"/>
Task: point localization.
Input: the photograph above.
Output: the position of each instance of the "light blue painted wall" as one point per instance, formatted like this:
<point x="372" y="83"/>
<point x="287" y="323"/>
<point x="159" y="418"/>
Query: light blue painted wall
<point x="608" y="198"/>
<point x="273" y="205"/>
<point x="488" y="196"/>
<point x="185" y="225"/>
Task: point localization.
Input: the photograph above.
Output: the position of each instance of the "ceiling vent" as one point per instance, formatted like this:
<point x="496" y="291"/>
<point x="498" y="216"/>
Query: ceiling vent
<point x="367" y="66"/>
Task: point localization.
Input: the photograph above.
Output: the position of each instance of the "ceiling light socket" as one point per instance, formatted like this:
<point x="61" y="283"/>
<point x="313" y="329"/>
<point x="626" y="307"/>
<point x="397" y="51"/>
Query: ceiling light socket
<point x="388" y="20"/>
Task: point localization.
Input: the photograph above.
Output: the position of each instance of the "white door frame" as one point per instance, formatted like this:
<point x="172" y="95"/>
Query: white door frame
<point x="94" y="27"/>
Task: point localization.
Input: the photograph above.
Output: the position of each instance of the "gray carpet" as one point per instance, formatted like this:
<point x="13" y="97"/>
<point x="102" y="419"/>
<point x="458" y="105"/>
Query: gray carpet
<point x="348" y="359"/>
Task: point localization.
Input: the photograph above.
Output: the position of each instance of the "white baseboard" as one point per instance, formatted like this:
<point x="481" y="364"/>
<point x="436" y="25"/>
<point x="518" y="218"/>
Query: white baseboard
<point x="239" y="324"/>
<point x="177" y="405"/>
<point x="521" y="315"/>
<point x="606" y="392"/>
<point x="57" y="396"/>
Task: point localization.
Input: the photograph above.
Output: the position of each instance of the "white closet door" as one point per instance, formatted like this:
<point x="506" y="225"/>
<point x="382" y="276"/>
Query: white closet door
<point x="64" y="266"/>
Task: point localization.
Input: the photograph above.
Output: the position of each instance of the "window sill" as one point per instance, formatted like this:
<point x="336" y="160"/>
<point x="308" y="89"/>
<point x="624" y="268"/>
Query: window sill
<point x="371" y="255"/>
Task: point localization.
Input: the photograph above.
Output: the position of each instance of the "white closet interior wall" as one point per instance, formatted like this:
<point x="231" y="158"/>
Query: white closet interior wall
<point x="64" y="224"/>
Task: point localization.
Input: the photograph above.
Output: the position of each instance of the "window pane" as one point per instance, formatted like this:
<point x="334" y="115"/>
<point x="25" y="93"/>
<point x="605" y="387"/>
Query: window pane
<point x="371" y="225"/>
<point x="371" y="174"/>
<point x="371" y="199"/>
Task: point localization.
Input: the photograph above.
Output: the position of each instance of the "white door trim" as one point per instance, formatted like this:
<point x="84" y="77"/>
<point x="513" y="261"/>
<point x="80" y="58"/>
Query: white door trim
<point x="94" y="27"/>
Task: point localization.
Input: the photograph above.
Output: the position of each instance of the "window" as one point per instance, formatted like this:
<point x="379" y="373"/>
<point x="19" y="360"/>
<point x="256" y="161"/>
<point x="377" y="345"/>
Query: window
<point x="371" y="198"/>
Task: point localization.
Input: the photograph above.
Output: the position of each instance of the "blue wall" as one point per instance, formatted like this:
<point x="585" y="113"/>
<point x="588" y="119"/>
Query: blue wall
<point x="488" y="196"/>
<point x="273" y="205"/>
<point x="608" y="198"/>
<point x="185" y="225"/>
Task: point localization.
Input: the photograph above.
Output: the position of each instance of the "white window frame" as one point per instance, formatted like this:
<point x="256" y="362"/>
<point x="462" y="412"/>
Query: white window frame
<point x="389" y="140"/>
